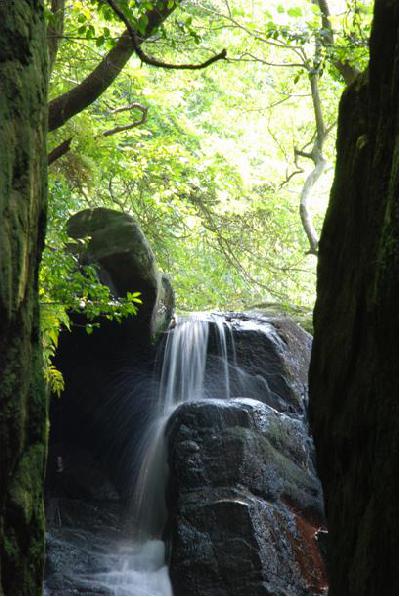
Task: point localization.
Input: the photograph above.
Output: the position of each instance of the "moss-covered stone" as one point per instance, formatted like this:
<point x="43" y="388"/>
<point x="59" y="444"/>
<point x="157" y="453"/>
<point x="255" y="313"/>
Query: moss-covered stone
<point x="126" y="263"/>
<point x="23" y="407"/>
<point x="353" y="379"/>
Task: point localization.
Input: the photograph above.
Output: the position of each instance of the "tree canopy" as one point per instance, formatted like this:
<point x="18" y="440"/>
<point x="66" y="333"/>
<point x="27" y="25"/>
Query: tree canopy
<point x="212" y="123"/>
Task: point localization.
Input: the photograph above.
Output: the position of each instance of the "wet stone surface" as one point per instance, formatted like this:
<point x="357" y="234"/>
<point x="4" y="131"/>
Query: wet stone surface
<point x="244" y="500"/>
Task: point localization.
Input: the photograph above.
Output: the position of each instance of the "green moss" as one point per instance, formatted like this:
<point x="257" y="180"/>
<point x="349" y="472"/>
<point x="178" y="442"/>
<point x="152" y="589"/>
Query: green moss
<point x="26" y="486"/>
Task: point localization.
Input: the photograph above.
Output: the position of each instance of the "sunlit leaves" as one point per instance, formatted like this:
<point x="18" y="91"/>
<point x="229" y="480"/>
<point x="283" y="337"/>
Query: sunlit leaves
<point x="204" y="175"/>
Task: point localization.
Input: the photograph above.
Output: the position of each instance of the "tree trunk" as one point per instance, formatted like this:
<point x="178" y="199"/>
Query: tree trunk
<point x="23" y="409"/>
<point x="353" y="376"/>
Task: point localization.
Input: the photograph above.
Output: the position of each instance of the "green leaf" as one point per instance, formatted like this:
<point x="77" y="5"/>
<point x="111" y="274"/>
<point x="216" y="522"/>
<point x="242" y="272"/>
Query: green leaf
<point x="295" y="11"/>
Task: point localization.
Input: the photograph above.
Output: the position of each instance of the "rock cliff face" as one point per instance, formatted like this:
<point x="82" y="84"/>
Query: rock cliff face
<point x="353" y="387"/>
<point x="245" y="504"/>
<point x="23" y="411"/>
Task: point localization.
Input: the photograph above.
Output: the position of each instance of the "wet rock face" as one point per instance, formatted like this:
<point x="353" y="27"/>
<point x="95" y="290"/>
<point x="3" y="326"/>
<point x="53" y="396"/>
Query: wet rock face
<point x="273" y="356"/>
<point x="83" y="516"/>
<point x="245" y="503"/>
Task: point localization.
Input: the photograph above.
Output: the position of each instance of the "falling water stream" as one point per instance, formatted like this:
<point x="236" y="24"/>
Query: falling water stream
<point x="186" y="374"/>
<point x="184" y="377"/>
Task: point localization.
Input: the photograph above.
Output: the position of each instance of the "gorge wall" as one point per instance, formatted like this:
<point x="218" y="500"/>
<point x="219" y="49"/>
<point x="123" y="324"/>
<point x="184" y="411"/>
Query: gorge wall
<point x="353" y="380"/>
<point x="23" y="417"/>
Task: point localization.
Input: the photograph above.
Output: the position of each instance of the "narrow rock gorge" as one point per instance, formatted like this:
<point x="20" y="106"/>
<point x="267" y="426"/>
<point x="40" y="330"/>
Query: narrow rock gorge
<point x="197" y="452"/>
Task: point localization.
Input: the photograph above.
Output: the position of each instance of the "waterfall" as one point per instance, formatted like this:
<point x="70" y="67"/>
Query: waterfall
<point x="186" y="374"/>
<point x="198" y="360"/>
<point x="184" y="364"/>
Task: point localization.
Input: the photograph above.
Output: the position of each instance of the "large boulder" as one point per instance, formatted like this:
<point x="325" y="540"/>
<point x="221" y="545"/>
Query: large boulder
<point x="245" y="503"/>
<point x="272" y="358"/>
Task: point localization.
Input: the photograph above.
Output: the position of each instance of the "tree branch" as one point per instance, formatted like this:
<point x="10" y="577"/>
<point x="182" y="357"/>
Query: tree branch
<point x="305" y="214"/>
<point x="147" y="59"/>
<point x="347" y="71"/>
<point x="127" y="127"/>
<point x="64" y="107"/>
<point x="131" y="106"/>
<point x="316" y="153"/>
<point x="59" y="151"/>
<point x="65" y="146"/>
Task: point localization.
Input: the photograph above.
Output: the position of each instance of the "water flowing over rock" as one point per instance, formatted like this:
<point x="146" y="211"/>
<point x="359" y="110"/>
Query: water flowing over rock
<point x="89" y="551"/>
<point x="223" y="471"/>
<point x="245" y="504"/>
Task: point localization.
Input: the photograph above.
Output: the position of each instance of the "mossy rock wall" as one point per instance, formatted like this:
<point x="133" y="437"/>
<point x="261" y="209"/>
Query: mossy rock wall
<point x="353" y="378"/>
<point x="23" y="118"/>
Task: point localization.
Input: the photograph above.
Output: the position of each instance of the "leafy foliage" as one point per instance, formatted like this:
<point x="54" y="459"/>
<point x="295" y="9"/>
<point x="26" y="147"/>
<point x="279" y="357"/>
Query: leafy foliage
<point x="67" y="287"/>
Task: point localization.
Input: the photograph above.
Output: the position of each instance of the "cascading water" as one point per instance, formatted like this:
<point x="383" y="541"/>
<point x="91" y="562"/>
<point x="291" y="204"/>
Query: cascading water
<point x="186" y="374"/>
<point x="190" y="371"/>
<point x="184" y="377"/>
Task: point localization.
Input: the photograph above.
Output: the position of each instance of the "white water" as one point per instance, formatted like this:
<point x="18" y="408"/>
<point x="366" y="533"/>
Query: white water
<point x="136" y="570"/>
<point x="184" y="364"/>
<point x="183" y="378"/>
<point x="136" y="565"/>
<point x="188" y="373"/>
<point x="139" y="568"/>
<point x="117" y="568"/>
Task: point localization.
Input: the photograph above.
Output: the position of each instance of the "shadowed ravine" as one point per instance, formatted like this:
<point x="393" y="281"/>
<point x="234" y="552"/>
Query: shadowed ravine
<point x="226" y="432"/>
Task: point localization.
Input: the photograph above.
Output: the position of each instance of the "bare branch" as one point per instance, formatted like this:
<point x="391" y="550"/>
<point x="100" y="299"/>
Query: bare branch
<point x="305" y="214"/>
<point x="258" y="35"/>
<point x="127" y="127"/>
<point x="131" y="106"/>
<point x="147" y="59"/>
<point x="316" y="153"/>
<point x="253" y="58"/>
<point x="303" y="154"/>
<point x="228" y="7"/>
